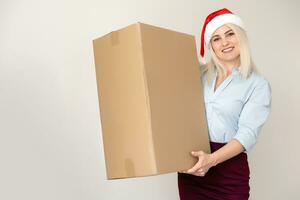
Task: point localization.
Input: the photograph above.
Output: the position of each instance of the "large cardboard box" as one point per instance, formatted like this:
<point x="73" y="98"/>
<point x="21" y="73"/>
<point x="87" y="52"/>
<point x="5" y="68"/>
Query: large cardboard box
<point x="151" y="101"/>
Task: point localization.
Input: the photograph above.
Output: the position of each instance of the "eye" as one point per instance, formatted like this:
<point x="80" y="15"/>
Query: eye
<point x="230" y="34"/>
<point x="216" y="39"/>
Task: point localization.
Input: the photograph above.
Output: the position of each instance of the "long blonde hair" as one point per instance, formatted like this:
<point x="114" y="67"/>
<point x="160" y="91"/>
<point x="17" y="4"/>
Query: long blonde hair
<point x="247" y="65"/>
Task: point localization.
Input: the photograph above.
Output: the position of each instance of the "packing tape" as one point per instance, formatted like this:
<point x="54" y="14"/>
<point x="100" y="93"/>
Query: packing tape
<point x="114" y="38"/>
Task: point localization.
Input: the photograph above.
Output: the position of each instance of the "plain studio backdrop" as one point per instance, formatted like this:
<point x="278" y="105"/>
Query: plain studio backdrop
<point x="50" y="131"/>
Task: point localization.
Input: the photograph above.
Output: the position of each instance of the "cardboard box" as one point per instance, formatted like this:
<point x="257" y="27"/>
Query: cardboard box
<point x="151" y="101"/>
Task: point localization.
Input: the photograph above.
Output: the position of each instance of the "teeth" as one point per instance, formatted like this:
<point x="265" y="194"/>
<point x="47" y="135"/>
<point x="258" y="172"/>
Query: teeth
<point x="228" y="49"/>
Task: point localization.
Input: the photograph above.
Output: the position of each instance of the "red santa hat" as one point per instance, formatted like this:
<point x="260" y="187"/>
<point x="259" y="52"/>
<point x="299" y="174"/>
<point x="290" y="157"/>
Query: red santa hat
<point x="215" y="20"/>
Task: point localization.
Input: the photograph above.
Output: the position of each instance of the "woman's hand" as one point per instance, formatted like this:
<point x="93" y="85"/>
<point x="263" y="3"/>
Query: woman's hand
<point x="205" y="162"/>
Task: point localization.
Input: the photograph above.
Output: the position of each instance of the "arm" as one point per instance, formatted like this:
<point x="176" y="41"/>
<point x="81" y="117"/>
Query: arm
<point x="252" y="118"/>
<point x="231" y="149"/>
<point x="206" y="161"/>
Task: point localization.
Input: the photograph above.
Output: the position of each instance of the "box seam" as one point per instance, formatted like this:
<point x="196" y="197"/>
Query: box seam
<point x="147" y="95"/>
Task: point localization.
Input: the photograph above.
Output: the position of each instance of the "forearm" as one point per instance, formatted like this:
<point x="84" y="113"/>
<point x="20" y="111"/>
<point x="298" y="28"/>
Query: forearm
<point x="231" y="149"/>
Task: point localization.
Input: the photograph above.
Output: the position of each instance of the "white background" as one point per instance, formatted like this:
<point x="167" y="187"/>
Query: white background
<point x="50" y="132"/>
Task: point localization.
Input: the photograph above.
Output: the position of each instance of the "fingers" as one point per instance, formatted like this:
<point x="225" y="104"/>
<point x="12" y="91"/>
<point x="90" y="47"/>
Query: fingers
<point x="195" y="168"/>
<point x="197" y="153"/>
<point x="199" y="164"/>
<point x="202" y="166"/>
<point x="200" y="172"/>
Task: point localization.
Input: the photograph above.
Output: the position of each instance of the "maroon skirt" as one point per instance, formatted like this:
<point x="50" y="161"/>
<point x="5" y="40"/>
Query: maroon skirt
<point x="226" y="181"/>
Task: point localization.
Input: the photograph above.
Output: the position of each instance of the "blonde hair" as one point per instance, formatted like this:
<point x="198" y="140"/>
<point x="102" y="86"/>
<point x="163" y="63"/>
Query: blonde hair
<point x="246" y="67"/>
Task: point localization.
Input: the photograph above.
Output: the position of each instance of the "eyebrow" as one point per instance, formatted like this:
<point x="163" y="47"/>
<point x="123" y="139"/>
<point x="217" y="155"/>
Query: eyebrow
<point x="224" y="33"/>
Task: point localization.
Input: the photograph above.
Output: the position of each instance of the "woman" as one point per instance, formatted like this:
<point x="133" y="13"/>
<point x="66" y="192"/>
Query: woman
<point x="237" y="102"/>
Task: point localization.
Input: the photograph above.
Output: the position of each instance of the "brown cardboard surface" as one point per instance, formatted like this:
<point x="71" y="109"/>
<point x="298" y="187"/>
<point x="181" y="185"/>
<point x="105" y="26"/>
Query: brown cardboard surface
<point x="151" y="101"/>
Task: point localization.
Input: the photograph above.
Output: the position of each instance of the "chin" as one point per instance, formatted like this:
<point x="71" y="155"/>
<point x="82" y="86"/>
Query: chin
<point x="229" y="58"/>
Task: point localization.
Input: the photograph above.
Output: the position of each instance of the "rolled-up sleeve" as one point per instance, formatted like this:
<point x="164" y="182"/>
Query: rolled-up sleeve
<point x="254" y="114"/>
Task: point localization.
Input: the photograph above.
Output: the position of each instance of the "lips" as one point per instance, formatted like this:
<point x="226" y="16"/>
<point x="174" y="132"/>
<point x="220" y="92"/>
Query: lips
<point x="227" y="50"/>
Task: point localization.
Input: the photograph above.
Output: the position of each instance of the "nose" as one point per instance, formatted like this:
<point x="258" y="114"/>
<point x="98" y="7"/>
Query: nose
<point x="224" y="41"/>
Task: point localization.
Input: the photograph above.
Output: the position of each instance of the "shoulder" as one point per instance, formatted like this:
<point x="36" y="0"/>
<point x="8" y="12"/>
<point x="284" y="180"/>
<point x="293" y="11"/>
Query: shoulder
<point x="258" y="81"/>
<point x="254" y="87"/>
<point x="261" y="87"/>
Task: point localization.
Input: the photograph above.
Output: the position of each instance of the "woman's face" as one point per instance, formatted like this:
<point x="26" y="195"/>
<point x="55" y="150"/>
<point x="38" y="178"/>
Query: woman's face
<point x="225" y="45"/>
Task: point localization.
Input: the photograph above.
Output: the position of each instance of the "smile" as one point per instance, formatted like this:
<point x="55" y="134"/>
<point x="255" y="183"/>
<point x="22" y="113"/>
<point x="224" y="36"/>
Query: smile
<point x="227" y="50"/>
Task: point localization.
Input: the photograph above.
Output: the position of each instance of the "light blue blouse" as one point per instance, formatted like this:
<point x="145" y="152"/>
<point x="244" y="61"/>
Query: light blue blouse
<point x="237" y="109"/>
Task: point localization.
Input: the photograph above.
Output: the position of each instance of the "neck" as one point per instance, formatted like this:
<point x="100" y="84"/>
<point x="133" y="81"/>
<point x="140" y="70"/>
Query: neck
<point x="230" y="65"/>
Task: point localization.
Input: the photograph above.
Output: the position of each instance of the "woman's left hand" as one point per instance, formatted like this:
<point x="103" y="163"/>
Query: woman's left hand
<point x="205" y="162"/>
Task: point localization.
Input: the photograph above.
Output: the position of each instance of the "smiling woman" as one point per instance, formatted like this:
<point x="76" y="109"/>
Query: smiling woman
<point x="229" y="48"/>
<point x="224" y="59"/>
<point x="226" y="46"/>
<point x="237" y="103"/>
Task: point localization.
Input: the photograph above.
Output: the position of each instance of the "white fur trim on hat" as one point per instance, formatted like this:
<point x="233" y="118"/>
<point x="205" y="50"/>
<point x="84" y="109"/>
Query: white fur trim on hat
<point x="219" y="21"/>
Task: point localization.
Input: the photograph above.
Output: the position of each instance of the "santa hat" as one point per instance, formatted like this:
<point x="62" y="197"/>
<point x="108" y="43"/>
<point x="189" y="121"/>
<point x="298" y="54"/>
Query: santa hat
<point x="215" y="20"/>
